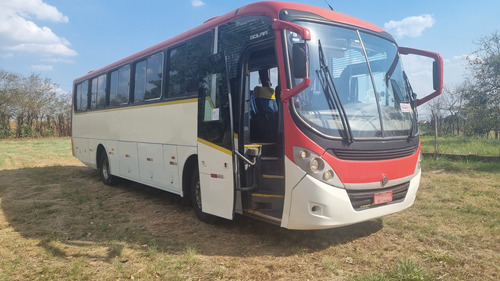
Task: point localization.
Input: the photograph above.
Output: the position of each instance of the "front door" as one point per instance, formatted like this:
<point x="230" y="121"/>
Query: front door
<point x="215" y="157"/>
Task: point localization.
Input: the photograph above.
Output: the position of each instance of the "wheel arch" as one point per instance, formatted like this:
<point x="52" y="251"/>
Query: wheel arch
<point x="189" y="167"/>
<point x="100" y="149"/>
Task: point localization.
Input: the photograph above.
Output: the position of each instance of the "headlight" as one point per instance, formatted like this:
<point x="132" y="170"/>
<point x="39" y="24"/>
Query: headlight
<point x="315" y="166"/>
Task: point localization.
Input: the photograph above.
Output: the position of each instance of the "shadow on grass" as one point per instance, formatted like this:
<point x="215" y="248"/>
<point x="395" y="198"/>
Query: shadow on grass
<point x="68" y="207"/>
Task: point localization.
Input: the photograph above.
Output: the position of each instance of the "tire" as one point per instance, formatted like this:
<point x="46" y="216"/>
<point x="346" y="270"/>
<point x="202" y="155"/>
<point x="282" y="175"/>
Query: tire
<point x="195" y="195"/>
<point x="106" y="177"/>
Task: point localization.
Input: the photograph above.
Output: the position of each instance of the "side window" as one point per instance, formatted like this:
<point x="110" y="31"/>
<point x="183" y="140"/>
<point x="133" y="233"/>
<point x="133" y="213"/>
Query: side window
<point x="185" y="66"/>
<point x="119" y="86"/>
<point x="179" y="73"/>
<point x="154" y="77"/>
<point x="148" y="78"/>
<point x="98" y="92"/>
<point x="81" y="99"/>
<point x="140" y="81"/>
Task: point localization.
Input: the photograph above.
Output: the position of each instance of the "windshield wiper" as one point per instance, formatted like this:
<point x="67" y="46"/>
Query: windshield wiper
<point x="332" y="95"/>
<point x="413" y="105"/>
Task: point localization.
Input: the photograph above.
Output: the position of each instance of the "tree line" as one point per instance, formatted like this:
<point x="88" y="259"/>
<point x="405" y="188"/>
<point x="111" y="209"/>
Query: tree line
<point x="31" y="106"/>
<point x="473" y="107"/>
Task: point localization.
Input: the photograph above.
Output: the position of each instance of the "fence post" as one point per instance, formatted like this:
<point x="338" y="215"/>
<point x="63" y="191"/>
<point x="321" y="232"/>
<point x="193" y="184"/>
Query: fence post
<point x="434" y="115"/>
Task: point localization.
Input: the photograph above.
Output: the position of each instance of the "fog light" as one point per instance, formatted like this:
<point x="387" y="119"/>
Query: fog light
<point x="328" y="175"/>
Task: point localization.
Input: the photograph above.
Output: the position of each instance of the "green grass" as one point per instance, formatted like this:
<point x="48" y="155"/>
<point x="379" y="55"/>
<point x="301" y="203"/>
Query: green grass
<point x="403" y="271"/>
<point x="462" y="165"/>
<point x="59" y="222"/>
<point x="461" y="145"/>
<point x="28" y="152"/>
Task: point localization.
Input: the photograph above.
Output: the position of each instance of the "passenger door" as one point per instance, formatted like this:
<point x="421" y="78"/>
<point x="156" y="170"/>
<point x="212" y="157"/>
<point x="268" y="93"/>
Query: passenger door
<point x="215" y="157"/>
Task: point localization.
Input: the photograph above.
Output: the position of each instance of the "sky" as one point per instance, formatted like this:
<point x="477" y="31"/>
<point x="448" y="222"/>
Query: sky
<point x="64" y="39"/>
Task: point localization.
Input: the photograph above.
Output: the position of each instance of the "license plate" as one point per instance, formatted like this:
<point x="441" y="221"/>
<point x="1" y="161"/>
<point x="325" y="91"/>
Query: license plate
<point x="380" y="198"/>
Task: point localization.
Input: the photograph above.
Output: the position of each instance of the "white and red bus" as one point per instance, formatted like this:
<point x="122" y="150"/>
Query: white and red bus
<point x="290" y="113"/>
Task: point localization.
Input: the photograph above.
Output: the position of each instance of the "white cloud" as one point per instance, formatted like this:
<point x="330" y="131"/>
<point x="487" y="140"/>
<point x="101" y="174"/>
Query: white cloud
<point x="18" y="32"/>
<point x="197" y="3"/>
<point x="410" y="26"/>
<point x="42" y="67"/>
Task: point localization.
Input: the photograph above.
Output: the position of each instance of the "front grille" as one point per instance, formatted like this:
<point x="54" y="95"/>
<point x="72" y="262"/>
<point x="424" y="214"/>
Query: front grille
<point x="374" y="155"/>
<point x="363" y="199"/>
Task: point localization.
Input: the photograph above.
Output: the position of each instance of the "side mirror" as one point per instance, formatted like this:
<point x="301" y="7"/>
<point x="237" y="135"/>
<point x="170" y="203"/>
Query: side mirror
<point x="437" y="71"/>
<point x="435" y="76"/>
<point x="300" y="60"/>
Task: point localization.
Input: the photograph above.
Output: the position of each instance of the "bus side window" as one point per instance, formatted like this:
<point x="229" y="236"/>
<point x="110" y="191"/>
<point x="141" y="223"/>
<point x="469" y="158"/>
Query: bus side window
<point x="187" y="66"/>
<point x="81" y="99"/>
<point x="119" y="86"/>
<point x="148" y="78"/>
<point x="98" y="92"/>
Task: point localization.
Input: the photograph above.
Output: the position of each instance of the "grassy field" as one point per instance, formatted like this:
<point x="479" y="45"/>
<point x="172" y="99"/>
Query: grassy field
<point x="59" y="222"/>
<point x="460" y="145"/>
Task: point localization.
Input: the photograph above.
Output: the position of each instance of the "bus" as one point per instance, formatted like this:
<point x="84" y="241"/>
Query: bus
<point x="293" y="114"/>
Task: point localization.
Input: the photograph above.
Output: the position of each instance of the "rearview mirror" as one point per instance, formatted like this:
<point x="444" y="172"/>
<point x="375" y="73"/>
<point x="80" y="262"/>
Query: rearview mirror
<point x="435" y="76"/>
<point x="437" y="71"/>
<point x="300" y="60"/>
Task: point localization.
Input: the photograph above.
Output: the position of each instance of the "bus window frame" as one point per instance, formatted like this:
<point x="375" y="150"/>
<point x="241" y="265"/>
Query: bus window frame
<point x="132" y="88"/>
<point x="108" y="94"/>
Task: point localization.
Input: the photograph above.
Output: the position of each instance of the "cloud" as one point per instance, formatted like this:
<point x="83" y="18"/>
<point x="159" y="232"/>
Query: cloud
<point x="42" y="67"/>
<point x="37" y="8"/>
<point x="197" y="3"/>
<point x="18" y="31"/>
<point x="410" y="26"/>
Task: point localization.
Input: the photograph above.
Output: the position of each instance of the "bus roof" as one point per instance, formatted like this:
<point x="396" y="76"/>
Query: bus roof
<point x="271" y="9"/>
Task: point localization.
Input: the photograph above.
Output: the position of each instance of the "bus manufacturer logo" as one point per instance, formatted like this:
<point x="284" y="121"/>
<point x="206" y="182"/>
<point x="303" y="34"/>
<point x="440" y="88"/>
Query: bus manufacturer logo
<point x="384" y="181"/>
<point x="258" y="35"/>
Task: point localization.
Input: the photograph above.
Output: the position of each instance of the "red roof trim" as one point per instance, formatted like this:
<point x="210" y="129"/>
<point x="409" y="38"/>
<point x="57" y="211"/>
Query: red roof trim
<point x="266" y="8"/>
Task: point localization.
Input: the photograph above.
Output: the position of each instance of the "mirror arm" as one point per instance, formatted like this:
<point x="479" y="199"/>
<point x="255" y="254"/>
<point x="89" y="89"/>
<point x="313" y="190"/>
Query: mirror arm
<point x="439" y="68"/>
<point x="289" y="93"/>
<point x="305" y="33"/>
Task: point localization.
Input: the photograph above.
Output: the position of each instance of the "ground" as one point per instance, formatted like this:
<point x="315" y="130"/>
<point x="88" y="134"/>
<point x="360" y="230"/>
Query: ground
<point x="58" y="221"/>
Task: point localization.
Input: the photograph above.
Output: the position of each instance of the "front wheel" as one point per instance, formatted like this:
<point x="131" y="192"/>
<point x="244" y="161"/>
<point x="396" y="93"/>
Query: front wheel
<point x="106" y="177"/>
<point x="195" y="190"/>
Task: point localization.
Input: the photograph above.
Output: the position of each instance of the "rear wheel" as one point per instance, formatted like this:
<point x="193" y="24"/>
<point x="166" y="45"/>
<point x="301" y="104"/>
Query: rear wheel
<point x="195" y="190"/>
<point x="106" y="177"/>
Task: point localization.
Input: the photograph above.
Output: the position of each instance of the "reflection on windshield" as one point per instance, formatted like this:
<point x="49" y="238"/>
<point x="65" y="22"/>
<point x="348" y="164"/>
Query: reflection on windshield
<point x="368" y="78"/>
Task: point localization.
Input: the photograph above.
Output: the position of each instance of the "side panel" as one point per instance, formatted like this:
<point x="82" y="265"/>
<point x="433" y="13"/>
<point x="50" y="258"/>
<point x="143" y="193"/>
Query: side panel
<point x="171" y="168"/>
<point x="151" y="164"/>
<point x="129" y="165"/>
<point x="81" y="149"/>
<point x="216" y="180"/>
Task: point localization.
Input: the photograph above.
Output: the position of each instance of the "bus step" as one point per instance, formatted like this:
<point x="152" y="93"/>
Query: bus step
<point x="272" y="218"/>
<point x="276" y="177"/>
<point x="271" y="165"/>
<point x="267" y="202"/>
<point x="272" y="184"/>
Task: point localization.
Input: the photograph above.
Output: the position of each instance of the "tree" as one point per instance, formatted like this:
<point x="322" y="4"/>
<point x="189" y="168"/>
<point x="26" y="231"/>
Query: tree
<point x="483" y="99"/>
<point x="34" y="105"/>
<point x="447" y="108"/>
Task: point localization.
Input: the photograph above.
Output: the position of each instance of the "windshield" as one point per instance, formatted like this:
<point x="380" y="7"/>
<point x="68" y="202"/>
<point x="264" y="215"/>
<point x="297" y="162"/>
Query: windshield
<point x="358" y="88"/>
